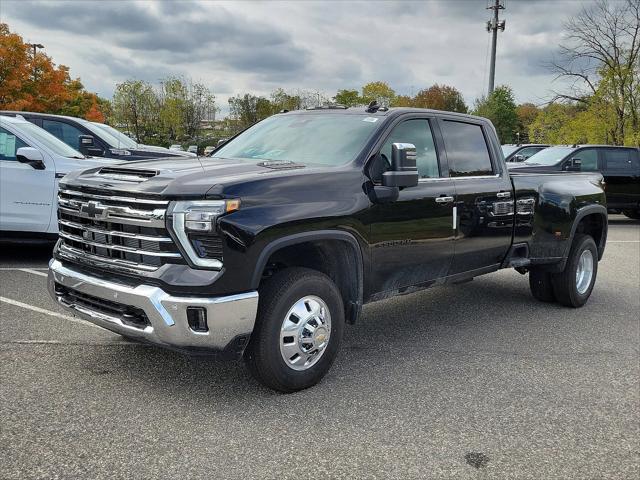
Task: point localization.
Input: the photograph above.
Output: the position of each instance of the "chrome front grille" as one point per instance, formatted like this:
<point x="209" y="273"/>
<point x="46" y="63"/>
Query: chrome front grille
<point x="125" y="233"/>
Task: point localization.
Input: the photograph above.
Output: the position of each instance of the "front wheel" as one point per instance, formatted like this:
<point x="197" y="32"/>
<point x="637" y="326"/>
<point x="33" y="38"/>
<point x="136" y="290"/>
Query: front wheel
<point x="573" y="286"/>
<point x="298" y="330"/>
<point x="633" y="214"/>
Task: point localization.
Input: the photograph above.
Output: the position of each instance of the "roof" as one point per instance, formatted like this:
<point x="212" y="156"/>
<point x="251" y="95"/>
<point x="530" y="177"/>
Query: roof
<point x="380" y="113"/>
<point x="526" y="145"/>
<point x="39" y="114"/>
<point x="8" y="119"/>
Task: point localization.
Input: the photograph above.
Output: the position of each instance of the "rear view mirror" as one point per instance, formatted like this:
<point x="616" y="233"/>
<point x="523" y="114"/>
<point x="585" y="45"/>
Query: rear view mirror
<point x="31" y="156"/>
<point x="404" y="172"/>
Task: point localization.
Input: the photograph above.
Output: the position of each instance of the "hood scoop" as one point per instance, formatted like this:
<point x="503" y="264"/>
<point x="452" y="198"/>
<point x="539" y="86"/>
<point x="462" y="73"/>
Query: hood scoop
<point x="127" y="174"/>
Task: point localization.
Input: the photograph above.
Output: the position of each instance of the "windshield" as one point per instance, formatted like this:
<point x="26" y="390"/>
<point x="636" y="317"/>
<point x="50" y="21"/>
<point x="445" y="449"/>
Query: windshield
<point x="102" y="134"/>
<point x="509" y="149"/>
<point x="53" y="144"/>
<point x="124" y="140"/>
<point x="549" y="156"/>
<point x="322" y="139"/>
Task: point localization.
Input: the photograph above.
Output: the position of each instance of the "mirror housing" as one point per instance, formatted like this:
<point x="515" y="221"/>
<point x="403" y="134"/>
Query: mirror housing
<point x="31" y="156"/>
<point x="574" y="165"/>
<point x="404" y="172"/>
<point x="519" y="158"/>
<point x="87" y="146"/>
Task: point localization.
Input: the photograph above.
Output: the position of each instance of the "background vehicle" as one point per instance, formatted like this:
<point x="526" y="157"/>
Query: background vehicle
<point x="131" y="144"/>
<point x="620" y="167"/>
<point x="88" y="138"/>
<point x="519" y="153"/>
<point x="208" y="149"/>
<point x="268" y="248"/>
<point x="31" y="163"/>
<point x="193" y="149"/>
<point x="176" y="147"/>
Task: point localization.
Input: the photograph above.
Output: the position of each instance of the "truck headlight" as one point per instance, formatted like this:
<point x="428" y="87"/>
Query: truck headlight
<point x="199" y="216"/>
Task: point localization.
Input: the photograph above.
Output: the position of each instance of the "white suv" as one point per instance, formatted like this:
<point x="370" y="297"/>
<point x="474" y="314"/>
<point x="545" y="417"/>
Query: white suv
<point x="31" y="163"/>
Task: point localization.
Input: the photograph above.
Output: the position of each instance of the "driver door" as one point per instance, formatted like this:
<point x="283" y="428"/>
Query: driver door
<point x="412" y="238"/>
<point x="26" y="194"/>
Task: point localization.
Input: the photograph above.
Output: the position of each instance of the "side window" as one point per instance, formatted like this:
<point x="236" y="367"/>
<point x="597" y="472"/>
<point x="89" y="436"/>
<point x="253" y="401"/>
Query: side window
<point x="418" y="132"/>
<point x="65" y="132"/>
<point x="529" y="151"/>
<point x="9" y="145"/>
<point x="620" y="160"/>
<point x="467" y="150"/>
<point x="589" y="158"/>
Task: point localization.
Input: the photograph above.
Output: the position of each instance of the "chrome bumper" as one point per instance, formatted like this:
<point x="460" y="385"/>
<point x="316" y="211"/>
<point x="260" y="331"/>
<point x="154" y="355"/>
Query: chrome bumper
<point x="230" y="319"/>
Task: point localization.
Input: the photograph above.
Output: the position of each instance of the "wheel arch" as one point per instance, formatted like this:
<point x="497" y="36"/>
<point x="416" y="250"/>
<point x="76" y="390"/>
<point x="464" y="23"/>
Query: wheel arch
<point x="344" y="262"/>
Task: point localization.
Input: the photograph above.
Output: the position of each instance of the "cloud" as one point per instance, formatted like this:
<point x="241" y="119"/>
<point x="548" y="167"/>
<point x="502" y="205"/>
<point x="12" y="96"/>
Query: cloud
<point x="240" y="47"/>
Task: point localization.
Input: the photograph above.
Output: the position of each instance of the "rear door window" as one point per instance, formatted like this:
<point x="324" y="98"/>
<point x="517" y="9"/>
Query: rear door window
<point x="467" y="150"/>
<point x="620" y="160"/>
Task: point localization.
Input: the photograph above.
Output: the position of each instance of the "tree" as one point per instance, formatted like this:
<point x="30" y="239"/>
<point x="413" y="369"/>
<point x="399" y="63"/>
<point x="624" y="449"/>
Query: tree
<point x="348" y="98"/>
<point x="600" y="56"/>
<point x="440" y="97"/>
<point x="136" y="107"/>
<point x="248" y="109"/>
<point x="500" y="108"/>
<point x="37" y="84"/>
<point x="550" y="124"/>
<point x="281" y="100"/>
<point x="527" y="113"/>
<point x="378" y="91"/>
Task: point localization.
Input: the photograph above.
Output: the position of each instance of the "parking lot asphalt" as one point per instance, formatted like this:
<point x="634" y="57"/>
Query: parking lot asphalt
<point x="470" y="381"/>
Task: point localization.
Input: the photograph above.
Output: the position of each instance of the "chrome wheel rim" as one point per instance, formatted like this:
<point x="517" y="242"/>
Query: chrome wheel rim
<point x="584" y="272"/>
<point x="305" y="333"/>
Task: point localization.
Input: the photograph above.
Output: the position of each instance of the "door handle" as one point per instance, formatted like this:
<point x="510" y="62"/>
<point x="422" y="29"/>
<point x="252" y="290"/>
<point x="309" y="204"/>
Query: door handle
<point x="444" y="199"/>
<point x="503" y="194"/>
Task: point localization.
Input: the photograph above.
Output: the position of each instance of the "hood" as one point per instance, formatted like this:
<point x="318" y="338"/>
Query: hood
<point x="179" y="178"/>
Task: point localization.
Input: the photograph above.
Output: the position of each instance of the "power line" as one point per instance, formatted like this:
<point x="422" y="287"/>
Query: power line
<point x="493" y="26"/>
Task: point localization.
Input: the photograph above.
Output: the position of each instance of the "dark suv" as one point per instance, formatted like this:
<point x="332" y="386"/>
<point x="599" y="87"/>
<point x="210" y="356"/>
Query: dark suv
<point x="92" y="139"/>
<point x="620" y="167"/>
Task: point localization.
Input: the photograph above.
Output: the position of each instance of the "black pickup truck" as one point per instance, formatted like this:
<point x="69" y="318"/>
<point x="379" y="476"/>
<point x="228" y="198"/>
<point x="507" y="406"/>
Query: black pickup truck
<point x="266" y="249"/>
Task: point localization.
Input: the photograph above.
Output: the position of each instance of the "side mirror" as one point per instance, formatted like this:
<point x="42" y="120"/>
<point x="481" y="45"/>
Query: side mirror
<point x="87" y="146"/>
<point x="574" y="165"/>
<point x="519" y="158"/>
<point x="31" y="156"/>
<point x="404" y="172"/>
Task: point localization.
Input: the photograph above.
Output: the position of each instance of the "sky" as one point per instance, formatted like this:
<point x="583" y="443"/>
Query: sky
<point x="244" y="46"/>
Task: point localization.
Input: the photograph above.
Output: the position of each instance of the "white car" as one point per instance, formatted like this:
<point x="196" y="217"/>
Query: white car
<point x="177" y="147"/>
<point x="31" y="163"/>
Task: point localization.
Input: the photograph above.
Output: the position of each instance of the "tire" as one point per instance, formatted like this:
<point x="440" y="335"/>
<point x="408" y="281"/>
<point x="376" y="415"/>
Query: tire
<point x="541" y="285"/>
<point x="633" y="214"/>
<point x="270" y="356"/>
<point x="568" y="288"/>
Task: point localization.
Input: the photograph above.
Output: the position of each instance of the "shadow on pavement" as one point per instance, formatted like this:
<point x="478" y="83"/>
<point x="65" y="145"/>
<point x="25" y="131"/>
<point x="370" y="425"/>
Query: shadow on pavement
<point x="27" y="254"/>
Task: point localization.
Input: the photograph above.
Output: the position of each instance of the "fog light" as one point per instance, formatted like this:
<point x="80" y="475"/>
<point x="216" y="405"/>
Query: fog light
<point x="197" y="319"/>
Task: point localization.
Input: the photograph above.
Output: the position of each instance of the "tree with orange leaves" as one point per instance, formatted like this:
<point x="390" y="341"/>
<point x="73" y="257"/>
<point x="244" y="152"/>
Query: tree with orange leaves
<point x="36" y="84"/>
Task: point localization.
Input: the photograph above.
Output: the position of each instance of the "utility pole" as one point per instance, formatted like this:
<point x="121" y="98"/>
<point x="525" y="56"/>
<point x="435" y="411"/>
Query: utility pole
<point x="493" y="26"/>
<point x="35" y="47"/>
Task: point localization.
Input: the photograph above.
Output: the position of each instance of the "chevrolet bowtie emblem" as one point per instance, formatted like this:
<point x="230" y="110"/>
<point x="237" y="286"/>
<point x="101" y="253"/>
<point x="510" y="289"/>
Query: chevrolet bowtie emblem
<point x="93" y="210"/>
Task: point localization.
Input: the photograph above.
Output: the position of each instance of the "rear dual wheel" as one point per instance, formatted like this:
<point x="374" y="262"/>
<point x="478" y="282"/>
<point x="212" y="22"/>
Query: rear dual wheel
<point x="573" y="286"/>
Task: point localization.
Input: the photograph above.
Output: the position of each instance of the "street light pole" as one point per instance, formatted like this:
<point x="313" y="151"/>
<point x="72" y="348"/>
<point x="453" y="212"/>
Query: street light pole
<point x="35" y="47"/>
<point x="493" y="26"/>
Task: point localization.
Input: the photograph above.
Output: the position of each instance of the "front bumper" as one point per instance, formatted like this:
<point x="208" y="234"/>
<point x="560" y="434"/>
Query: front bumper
<point x="230" y="319"/>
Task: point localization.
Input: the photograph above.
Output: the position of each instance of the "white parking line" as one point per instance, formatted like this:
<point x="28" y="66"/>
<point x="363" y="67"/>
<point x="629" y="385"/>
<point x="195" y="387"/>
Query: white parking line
<point x="20" y="268"/>
<point x="46" y="312"/>
<point x="33" y="271"/>
<point x="623" y="241"/>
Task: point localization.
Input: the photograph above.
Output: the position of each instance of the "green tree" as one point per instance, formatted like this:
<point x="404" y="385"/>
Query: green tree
<point x="550" y="123"/>
<point x="380" y="92"/>
<point x="247" y="109"/>
<point x="136" y="108"/>
<point x="500" y="108"/>
<point x="527" y="113"/>
<point x="281" y="100"/>
<point x="348" y="98"/>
